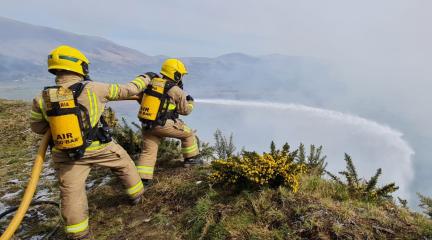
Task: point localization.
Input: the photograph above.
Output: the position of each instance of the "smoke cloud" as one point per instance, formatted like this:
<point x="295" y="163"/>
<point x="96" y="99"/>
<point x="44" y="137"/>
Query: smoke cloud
<point x="255" y="124"/>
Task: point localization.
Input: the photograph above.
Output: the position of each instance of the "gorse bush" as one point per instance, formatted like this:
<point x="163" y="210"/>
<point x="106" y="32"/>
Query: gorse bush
<point x="315" y="162"/>
<point x="426" y="204"/>
<point x="252" y="170"/>
<point x="130" y="138"/>
<point x="359" y="188"/>
<point x="224" y="148"/>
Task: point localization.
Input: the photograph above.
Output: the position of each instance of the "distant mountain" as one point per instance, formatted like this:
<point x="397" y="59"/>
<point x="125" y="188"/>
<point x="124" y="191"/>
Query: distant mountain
<point x="24" y="47"/>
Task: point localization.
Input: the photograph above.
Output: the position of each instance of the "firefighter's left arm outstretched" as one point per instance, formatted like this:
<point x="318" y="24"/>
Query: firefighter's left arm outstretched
<point x="114" y="92"/>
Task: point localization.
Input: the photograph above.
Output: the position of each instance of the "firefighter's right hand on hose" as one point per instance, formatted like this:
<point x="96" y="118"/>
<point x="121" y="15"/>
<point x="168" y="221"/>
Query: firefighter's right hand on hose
<point x="189" y="98"/>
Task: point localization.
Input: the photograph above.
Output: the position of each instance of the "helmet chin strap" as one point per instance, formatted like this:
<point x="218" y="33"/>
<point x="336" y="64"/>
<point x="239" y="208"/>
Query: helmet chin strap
<point x="85" y="68"/>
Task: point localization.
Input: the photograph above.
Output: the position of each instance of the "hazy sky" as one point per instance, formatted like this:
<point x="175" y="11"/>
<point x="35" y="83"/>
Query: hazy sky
<point x="331" y="28"/>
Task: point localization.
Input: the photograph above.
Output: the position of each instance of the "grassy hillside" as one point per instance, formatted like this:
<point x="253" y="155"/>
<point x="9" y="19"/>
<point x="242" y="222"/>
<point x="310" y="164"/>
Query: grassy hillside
<point x="186" y="204"/>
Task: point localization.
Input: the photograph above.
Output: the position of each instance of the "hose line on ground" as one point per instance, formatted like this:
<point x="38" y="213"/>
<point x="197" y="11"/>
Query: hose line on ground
<point x="30" y="190"/>
<point x="33" y="204"/>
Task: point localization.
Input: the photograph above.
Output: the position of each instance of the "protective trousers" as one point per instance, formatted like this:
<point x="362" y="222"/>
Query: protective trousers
<point x="72" y="176"/>
<point x="151" y="140"/>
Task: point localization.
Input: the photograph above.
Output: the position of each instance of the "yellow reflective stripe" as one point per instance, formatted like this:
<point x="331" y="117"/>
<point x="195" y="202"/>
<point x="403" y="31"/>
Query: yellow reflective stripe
<point x="145" y="169"/>
<point x="111" y="94"/>
<point x="79" y="227"/>
<point x="140" y="83"/>
<point x="136" y="188"/>
<point x="93" y="112"/>
<point x="190" y="149"/>
<point x="35" y="115"/>
<point x="96" y="145"/>
<point x="171" y="106"/>
<point x="96" y="107"/>
<point x="115" y="92"/>
<point x="41" y="106"/>
<point x="191" y="106"/>
<point x="186" y="129"/>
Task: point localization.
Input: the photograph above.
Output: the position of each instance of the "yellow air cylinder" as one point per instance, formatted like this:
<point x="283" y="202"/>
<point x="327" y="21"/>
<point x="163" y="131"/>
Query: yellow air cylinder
<point x="66" y="129"/>
<point x="151" y="103"/>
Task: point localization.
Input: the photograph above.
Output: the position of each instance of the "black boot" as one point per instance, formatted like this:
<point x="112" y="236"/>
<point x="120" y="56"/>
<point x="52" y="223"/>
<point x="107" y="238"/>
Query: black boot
<point x="193" y="161"/>
<point x="147" y="182"/>
<point x="87" y="236"/>
<point x="137" y="200"/>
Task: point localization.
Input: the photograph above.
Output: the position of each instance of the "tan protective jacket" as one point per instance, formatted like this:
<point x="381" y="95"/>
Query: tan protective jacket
<point x="94" y="97"/>
<point x="178" y="98"/>
<point x="73" y="174"/>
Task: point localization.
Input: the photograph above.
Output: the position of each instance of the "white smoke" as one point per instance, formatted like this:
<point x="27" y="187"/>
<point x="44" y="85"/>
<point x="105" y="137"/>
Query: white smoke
<point x="371" y="144"/>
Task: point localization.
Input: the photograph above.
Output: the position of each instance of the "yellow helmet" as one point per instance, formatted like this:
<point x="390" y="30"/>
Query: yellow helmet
<point x="68" y="58"/>
<point x="173" y="69"/>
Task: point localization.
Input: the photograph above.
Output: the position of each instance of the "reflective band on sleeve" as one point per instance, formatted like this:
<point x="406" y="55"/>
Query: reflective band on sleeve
<point x="41" y="106"/>
<point x="140" y="83"/>
<point x="145" y="169"/>
<point x="79" y="227"/>
<point x="186" y="129"/>
<point x="171" y="106"/>
<point x="117" y="91"/>
<point x="114" y="91"/>
<point x="111" y="93"/>
<point x="35" y="115"/>
<point x="191" y="105"/>
<point x="135" y="189"/>
<point x="190" y="149"/>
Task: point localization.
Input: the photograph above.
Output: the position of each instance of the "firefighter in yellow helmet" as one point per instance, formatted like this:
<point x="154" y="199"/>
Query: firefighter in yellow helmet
<point x="72" y="109"/>
<point x="161" y="105"/>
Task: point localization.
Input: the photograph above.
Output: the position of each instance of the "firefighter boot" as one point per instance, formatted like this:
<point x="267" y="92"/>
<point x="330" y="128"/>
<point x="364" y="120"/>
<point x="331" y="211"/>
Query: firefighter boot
<point x="193" y="161"/>
<point x="137" y="200"/>
<point x="147" y="182"/>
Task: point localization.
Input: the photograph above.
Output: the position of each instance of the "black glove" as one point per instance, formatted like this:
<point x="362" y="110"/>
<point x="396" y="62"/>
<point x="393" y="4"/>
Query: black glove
<point x="180" y="84"/>
<point x="189" y="98"/>
<point x="152" y="75"/>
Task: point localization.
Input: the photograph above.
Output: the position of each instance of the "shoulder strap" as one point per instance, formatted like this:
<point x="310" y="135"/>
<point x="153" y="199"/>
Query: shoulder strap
<point x="77" y="88"/>
<point x="169" y="85"/>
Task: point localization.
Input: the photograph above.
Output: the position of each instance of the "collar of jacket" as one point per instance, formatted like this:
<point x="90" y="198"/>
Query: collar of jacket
<point x="67" y="80"/>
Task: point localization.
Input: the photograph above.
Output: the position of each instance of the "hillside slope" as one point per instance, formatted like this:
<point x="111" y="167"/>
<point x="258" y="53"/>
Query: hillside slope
<point x="182" y="204"/>
<point x="24" y="48"/>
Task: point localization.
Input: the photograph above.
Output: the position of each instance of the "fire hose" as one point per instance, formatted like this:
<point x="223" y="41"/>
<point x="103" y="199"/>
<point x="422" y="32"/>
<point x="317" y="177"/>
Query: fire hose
<point x="30" y="190"/>
<point x="31" y="186"/>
